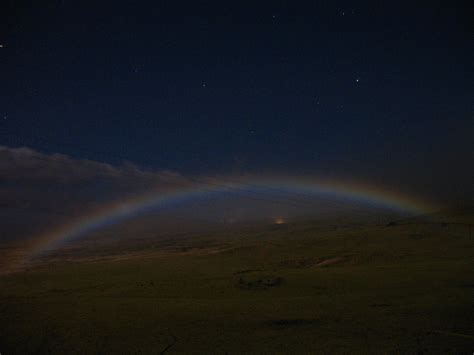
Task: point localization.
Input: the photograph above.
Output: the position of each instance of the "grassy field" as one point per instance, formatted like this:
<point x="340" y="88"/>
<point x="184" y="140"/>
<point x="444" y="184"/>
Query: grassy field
<point x="308" y="287"/>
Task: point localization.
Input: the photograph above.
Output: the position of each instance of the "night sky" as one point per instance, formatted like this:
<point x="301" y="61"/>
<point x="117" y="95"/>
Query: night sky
<point x="220" y="87"/>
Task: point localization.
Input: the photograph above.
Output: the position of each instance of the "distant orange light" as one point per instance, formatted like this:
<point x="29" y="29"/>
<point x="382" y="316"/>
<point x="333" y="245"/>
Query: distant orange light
<point x="279" y="220"/>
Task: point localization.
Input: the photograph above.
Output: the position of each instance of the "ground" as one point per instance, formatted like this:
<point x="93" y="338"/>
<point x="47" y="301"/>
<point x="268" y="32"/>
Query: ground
<point x="320" y="286"/>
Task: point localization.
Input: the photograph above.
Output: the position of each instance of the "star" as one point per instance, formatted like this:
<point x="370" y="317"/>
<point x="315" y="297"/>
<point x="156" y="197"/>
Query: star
<point x="357" y="80"/>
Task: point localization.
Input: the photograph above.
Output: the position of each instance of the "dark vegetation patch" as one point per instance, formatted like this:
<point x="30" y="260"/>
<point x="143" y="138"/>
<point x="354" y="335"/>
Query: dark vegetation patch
<point x="417" y="236"/>
<point x="293" y="322"/>
<point x="298" y="263"/>
<point x="380" y="305"/>
<point x="146" y="284"/>
<point x="467" y="285"/>
<point x="259" y="282"/>
<point x="246" y="271"/>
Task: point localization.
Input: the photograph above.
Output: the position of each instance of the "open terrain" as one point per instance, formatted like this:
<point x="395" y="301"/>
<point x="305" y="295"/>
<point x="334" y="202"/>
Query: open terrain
<point x="323" y="286"/>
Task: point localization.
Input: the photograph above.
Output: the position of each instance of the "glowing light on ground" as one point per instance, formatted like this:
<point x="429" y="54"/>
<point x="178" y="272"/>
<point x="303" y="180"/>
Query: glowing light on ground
<point x="280" y="220"/>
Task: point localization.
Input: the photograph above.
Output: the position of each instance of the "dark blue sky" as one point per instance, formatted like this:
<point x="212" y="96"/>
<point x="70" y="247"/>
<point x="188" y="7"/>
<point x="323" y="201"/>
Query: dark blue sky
<point x="293" y="87"/>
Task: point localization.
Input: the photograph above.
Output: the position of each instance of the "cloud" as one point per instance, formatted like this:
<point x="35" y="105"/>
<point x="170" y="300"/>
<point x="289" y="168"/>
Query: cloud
<point x="38" y="190"/>
<point x="27" y="164"/>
